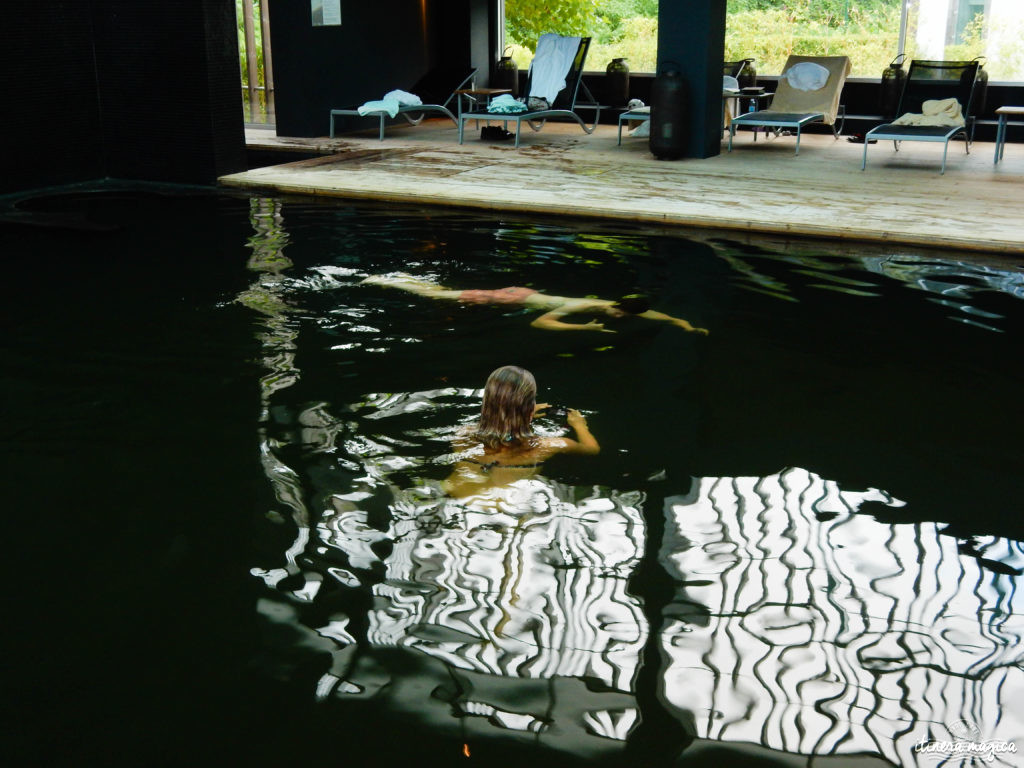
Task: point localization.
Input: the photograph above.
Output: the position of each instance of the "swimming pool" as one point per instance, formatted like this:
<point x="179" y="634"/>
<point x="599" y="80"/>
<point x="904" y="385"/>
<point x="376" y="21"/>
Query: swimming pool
<point x="798" y="539"/>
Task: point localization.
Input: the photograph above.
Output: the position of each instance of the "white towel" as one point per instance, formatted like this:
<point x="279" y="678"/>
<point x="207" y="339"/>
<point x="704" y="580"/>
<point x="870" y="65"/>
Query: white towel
<point x="404" y="98"/>
<point x="943" y="112"/>
<point x="806" y="76"/>
<point x="384" y="105"/>
<point x="644" y="129"/>
<point x="551" y="64"/>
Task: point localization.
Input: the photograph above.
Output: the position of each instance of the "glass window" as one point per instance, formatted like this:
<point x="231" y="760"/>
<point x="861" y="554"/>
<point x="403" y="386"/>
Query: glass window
<point x="618" y="29"/>
<point x="770" y="30"/>
<point x="868" y="31"/>
<point x="964" y="29"/>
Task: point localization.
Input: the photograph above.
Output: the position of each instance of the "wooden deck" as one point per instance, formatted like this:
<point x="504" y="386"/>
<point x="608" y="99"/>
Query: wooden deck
<point x="759" y="187"/>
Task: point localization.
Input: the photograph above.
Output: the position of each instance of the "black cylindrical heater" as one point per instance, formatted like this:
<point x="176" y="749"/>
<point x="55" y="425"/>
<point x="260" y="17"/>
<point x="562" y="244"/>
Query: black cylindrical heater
<point x="506" y="75"/>
<point x="668" y="113"/>
<point x="980" y="95"/>
<point x="893" y="78"/>
<point x="748" y="75"/>
<point x="616" y="83"/>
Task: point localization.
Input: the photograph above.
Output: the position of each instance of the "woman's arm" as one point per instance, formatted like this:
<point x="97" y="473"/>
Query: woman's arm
<point x="677" y="321"/>
<point x="585" y="442"/>
<point x="552" y="321"/>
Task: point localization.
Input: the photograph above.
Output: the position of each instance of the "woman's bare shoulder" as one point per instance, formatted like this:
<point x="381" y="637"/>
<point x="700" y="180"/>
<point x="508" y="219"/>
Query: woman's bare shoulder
<point x="550" y="445"/>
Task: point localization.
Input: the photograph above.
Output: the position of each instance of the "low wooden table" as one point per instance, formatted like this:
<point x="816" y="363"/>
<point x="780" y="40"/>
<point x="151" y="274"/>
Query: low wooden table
<point x="1005" y="113"/>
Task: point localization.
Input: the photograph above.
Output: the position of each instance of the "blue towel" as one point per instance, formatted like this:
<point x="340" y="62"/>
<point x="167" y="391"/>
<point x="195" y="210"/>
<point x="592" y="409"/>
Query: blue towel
<point x="383" y="105"/>
<point x="404" y="98"/>
<point x="505" y="105"/>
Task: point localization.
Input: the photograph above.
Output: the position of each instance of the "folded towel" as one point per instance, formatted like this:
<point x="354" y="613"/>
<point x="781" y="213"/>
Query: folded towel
<point x="806" y="76"/>
<point x="934" y="112"/>
<point x="505" y="104"/>
<point x="404" y="98"/>
<point x="644" y="129"/>
<point x="730" y="83"/>
<point x="384" y="105"/>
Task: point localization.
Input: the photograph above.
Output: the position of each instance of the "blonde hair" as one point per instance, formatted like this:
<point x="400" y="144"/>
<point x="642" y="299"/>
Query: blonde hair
<point x="506" y="415"/>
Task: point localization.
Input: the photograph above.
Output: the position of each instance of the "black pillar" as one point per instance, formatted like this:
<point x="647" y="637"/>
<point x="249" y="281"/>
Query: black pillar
<point x="691" y="33"/>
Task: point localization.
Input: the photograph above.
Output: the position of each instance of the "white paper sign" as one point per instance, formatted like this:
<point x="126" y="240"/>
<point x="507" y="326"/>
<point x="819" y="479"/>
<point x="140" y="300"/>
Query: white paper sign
<point x="326" y="13"/>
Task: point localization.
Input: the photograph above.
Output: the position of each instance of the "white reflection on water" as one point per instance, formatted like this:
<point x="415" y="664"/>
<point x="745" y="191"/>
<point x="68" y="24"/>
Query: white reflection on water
<point x="521" y="581"/>
<point x="807" y="628"/>
<point x="525" y="582"/>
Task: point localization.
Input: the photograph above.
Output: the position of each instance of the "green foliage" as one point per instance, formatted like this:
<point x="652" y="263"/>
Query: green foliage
<point x="820" y="12"/>
<point x="527" y="20"/>
<point x="261" y="78"/>
<point x="1005" y="54"/>
<point x="972" y="42"/>
<point x="638" y="45"/>
<point x="258" y="30"/>
<point x="869" y="38"/>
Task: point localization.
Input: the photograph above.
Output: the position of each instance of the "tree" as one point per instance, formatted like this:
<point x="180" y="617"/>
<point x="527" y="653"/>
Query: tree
<point x="526" y="20"/>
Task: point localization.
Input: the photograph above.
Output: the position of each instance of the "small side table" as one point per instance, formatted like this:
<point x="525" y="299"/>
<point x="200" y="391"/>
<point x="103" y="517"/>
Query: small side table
<point x="628" y="115"/>
<point x="475" y="94"/>
<point x="1005" y="113"/>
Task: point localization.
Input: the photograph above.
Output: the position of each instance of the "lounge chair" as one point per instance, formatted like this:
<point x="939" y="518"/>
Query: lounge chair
<point x="437" y="90"/>
<point x="934" y="82"/>
<point x="564" y="105"/>
<point x="794" y="107"/>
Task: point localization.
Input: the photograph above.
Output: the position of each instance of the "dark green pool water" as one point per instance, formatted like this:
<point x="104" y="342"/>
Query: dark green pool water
<point x="226" y="539"/>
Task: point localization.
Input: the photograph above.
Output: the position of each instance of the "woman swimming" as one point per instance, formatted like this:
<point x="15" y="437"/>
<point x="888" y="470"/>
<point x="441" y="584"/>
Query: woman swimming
<point x="557" y="307"/>
<point x="506" y="448"/>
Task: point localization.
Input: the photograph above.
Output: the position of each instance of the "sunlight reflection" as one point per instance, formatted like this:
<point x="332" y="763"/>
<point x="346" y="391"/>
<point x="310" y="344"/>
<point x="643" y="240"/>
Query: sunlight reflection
<point x="806" y="627"/>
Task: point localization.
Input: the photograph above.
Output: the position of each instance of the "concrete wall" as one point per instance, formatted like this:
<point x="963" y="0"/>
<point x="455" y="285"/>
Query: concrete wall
<point x="131" y="89"/>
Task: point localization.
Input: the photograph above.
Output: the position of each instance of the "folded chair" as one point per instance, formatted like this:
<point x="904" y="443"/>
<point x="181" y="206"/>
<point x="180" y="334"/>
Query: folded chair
<point x="566" y="101"/>
<point x="938" y="83"/>
<point x="800" y="100"/>
<point x="436" y="89"/>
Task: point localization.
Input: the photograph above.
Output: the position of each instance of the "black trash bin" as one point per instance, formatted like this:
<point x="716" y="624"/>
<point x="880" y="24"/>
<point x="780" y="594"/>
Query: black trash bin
<point x="668" y="113"/>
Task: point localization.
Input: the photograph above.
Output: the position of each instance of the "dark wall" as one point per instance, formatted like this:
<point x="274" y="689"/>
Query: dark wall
<point x="130" y="89"/>
<point x="380" y="46"/>
<point x="50" y="129"/>
<point x="170" y="88"/>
